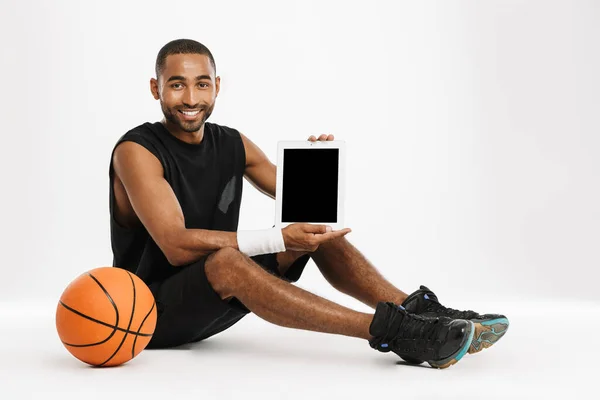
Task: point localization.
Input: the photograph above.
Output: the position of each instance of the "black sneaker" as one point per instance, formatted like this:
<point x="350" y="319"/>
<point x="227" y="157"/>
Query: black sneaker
<point x="489" y="328"/>
<point x="439" y="341"/>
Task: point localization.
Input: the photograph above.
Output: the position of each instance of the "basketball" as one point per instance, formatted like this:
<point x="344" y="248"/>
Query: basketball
<point x="106" y="316"/>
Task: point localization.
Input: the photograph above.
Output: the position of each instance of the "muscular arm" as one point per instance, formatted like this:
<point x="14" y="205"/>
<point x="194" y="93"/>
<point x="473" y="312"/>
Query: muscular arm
<point x="158" y="209"/>
<point x="260" y="172"/>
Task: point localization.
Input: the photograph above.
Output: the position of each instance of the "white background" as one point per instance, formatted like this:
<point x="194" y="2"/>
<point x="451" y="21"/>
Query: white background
<point x="472" y="130"/>
<point x="473" y="162"/>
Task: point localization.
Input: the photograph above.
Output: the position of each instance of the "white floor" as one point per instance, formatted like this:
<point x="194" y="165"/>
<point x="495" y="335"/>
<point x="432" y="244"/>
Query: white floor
<point x="550" y="351"/>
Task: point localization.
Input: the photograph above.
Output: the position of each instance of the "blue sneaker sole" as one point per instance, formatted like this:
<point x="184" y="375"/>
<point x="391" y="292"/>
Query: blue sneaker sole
<point x="454" y="358"/>
<point x="487" y="332"/>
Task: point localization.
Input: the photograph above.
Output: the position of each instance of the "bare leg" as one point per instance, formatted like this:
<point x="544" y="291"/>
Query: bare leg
<point x="348" y="270"/>
<point x="232" y="274"/>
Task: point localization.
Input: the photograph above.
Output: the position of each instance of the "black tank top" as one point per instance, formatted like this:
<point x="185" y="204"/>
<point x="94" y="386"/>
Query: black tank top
<point x="207" y="179"/>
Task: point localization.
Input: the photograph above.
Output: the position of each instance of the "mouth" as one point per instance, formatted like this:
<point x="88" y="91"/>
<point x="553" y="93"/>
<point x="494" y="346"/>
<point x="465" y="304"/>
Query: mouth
<point x="189" y="115"/>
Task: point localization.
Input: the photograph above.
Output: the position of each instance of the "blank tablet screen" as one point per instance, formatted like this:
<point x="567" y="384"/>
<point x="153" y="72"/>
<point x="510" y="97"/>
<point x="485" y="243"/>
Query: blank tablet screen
<point x="310" y="185"/>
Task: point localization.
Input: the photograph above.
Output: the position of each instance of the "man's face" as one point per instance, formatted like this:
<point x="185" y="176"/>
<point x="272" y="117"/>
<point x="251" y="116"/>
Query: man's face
<point x="187" y="89"/>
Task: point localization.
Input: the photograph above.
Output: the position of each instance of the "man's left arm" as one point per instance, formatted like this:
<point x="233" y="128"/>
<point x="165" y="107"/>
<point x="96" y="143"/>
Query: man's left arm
<point x="260" y="171"/>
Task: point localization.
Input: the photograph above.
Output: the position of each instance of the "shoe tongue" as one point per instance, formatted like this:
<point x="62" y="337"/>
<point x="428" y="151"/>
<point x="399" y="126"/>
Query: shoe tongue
<point x="417" y="301"/>
<point x="428" y="294"/>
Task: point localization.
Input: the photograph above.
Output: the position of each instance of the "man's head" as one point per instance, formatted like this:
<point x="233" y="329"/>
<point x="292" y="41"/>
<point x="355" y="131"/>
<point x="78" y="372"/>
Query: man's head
<point x="185" y="81"/>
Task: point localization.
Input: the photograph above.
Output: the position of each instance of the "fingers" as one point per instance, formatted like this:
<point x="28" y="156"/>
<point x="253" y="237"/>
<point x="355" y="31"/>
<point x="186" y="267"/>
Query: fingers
<point x="324" y="229"/>
<point x="316" y="229"/>
<point x="324" y="137"/>
<point x="332" y="235"/>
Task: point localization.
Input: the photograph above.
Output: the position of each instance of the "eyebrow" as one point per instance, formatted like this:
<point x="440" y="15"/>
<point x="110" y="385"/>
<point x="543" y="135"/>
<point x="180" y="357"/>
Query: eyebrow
<point x="181" y="78"/>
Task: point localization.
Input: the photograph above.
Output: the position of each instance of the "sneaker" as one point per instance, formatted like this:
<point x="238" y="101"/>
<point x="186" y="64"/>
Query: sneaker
<point x="489" y="328"/>
<point x="439" y="341"/>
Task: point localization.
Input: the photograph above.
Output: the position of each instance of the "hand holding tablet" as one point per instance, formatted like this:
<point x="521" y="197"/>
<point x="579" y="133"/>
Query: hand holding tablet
<point x="308" y="237"/>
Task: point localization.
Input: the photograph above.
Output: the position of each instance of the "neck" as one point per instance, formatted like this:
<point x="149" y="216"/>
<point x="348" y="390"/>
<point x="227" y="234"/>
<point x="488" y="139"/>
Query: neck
<point x="188" y="137"/>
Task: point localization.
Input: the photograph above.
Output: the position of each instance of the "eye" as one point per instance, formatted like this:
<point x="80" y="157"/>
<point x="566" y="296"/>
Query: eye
<point x="204" y="85"/>
<point x="175" y="84"/>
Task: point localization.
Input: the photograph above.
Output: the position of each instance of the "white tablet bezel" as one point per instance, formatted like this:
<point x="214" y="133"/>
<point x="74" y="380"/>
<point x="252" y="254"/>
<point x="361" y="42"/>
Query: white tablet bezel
<point x="333" y="144"/>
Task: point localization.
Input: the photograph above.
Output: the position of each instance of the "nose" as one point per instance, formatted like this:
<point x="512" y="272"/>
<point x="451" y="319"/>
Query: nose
<point x="191" y="98"/>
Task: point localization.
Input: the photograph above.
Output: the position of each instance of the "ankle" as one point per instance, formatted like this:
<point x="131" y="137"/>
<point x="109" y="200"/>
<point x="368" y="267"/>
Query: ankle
<point x="364" y="332"/>
<point x="400" y="297"/>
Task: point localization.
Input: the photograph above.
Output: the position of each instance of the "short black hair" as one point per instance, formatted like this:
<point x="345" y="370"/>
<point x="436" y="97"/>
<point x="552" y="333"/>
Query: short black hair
<point x="181" y="46"/>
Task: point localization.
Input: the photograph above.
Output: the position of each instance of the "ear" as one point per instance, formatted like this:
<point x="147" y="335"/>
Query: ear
<point x="154" y="88"/>
<point x="217" y="85"/>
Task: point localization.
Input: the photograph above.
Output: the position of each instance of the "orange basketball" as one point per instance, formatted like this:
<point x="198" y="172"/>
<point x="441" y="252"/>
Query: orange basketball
<point x="106" y="316"/>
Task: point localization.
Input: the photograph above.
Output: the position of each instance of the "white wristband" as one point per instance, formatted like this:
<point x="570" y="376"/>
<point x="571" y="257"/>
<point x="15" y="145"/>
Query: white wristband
<point x="262" y="241"/>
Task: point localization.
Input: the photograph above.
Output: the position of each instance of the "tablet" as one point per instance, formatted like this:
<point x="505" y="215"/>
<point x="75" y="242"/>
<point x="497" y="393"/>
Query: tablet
<point x="310" y="183"/>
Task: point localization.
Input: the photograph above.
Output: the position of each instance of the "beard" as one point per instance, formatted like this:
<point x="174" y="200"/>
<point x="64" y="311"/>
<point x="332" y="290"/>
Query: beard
<point x="173" y="116"/>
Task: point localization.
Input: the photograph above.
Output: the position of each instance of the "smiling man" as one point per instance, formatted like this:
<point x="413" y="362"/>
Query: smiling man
<point x="175" y="196"/>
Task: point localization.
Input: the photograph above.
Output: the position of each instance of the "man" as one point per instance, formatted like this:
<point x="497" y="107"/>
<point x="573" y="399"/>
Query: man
<point x="175" y="193"/>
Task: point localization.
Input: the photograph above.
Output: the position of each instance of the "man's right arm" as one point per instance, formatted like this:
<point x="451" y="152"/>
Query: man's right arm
<point x="158" y="209"/>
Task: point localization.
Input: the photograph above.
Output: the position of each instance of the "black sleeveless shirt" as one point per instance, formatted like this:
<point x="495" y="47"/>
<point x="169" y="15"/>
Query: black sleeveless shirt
<point x="207" y="179"/>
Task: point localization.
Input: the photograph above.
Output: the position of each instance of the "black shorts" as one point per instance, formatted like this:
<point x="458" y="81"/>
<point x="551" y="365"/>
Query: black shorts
<point x="189" y="309"/>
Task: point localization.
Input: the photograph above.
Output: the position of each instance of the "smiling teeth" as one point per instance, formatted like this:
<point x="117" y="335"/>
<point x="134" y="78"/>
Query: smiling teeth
<point x="190" y="112"/>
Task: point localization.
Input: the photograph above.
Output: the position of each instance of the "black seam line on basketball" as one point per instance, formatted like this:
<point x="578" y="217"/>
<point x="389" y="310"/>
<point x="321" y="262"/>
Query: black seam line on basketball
<point x="130" y="320"/>
<point x="142" y="324"/>
<point x="109" y="298"/>
<point x="90" y="344"/>
<point x="116" y="312"/>
<point x="85" y="316"/>
<point x="101" y="323"/>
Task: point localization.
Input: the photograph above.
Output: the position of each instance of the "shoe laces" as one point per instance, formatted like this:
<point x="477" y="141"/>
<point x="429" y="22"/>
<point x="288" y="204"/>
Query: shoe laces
<point x="422" y="330"/>
<point x="458" y="314"/>
<point x="419" y="327"/>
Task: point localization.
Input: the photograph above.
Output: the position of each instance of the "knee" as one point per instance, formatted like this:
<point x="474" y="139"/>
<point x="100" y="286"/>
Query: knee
<point x="225" y="255"/>
<point x="221" y="268"/>
<point x="339" y="243"/>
